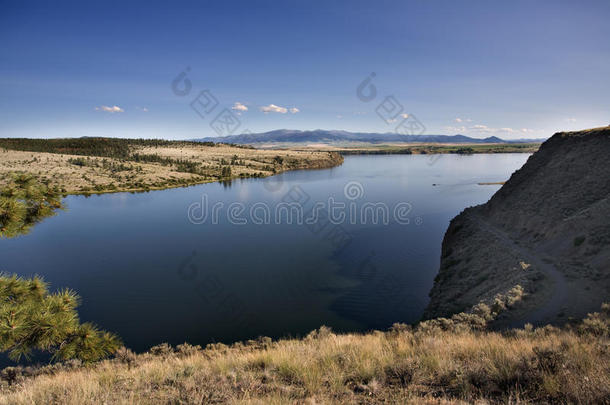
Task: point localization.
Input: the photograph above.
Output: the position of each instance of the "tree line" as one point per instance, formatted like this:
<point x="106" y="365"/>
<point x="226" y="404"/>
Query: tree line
<point x="118" y="148"/>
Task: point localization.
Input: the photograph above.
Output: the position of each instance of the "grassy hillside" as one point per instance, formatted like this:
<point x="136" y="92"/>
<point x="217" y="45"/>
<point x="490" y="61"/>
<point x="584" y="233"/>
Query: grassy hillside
<point x="101" y="147"/>
<point x="440" y="361"/>
<point x="98" y="165"/>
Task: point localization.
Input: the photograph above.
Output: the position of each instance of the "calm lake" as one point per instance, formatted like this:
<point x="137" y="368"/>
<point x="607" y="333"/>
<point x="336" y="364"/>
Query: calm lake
<point x="228" y="262"/>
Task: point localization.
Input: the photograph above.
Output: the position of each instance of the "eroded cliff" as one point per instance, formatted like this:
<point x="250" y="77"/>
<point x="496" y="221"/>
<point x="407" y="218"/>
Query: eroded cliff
<point x="547" y="229"/>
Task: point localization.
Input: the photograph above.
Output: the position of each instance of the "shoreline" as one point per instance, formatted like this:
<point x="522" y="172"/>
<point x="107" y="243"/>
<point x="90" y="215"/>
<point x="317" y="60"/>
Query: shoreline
<point x="87" y="166"/>
<point x="337" y="164"/>
<point x="432" y="358"/>
<point x="172" y="186"/>
<point x="421" y="148"/>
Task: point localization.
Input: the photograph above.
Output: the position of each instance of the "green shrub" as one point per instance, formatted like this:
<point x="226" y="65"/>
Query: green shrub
<point x="24" y="202"/>
<point x="597" y="323"/>
<point x="162" y="349"/>
<point x="125" y="356"/>
<point x="186" y="349"/>
<point x="320" y="333"/>
<point x="34" y="319"/>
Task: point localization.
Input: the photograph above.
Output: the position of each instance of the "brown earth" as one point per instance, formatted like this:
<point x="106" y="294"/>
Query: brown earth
<point x="547" y="229"/>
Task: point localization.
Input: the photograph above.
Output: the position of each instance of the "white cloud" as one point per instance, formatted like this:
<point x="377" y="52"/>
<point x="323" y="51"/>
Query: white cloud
<point x="273" y="108"/>
<point x="277" y="109"/>
<point x="113" y="109"/>
<point x="143" y="109"/>
<point x="571" y="119"/>
<point x="456" y="129"/>
<point x="239" y="107"/>
<point x="488" y="130"/>
<point x="404" y="115"/>
<point x="460" y="120"/>
<point x="484" y="130"/>
<point x="339" y="116"/>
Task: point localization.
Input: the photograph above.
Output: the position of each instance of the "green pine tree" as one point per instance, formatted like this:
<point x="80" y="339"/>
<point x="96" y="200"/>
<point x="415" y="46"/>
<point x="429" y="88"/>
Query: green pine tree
<point x="24" y="201"/>
<point x="31" y="319"/>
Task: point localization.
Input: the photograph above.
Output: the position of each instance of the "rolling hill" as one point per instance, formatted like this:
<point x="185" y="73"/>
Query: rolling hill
<point x="334" y="137"/>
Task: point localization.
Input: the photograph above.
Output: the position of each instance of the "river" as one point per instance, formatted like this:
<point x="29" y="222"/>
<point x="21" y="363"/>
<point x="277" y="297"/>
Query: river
<point x="354" y="247"/>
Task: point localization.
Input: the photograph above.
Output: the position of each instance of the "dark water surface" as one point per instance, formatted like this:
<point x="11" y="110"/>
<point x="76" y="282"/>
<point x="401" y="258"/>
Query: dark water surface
<point x="150" y="273"/>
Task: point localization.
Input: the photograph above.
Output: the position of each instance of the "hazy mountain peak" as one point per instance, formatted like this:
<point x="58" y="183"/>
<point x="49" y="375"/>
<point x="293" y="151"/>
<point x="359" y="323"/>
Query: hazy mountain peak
<point x="341" y="136"/>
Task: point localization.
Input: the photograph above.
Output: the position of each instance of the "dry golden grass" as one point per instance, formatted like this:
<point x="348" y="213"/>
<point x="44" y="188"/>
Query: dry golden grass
<point x="424" y="365"/>
<point x="104" y="174"/>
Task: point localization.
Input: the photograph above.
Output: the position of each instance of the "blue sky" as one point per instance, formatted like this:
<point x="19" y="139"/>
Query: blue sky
<point x="511" y="69"/>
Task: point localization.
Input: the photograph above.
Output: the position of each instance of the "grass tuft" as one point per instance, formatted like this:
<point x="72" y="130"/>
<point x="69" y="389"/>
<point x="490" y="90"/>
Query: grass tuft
<point x="438" y="361"/>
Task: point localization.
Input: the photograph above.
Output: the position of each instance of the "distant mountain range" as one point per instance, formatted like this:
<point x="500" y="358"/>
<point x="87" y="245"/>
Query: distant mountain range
<point x="333" y="137"/>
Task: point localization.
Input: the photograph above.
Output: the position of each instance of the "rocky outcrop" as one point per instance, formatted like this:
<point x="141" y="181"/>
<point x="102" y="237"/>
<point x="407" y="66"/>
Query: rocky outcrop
<point x="547" y="229"/>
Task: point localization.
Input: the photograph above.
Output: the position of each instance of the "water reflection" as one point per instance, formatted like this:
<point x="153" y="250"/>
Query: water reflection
<point x="150" y="274"/>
